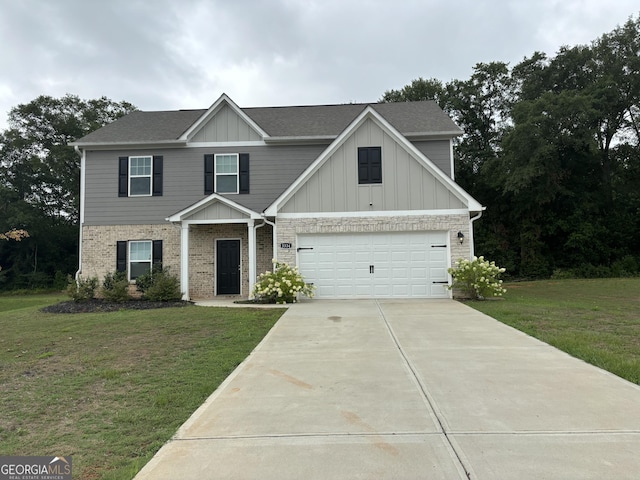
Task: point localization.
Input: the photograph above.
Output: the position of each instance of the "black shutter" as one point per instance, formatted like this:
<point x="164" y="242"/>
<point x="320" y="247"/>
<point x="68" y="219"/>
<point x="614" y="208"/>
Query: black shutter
<point x="121" y="254"/>
<point x="363" y="166"/>
<point x="156" y="255"/>
<point x="244" y="173"/>
<point x="157" y="175"/>
<point x="208" y="174"/>
<point x="123" y="177"/>
<point x="375" y="164"/>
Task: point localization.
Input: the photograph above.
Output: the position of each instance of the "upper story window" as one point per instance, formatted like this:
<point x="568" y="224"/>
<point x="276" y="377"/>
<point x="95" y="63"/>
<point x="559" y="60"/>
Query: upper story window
<point x="226" y="173"/>
<point x="139" y="176"/>
<point x="369" y="165"/>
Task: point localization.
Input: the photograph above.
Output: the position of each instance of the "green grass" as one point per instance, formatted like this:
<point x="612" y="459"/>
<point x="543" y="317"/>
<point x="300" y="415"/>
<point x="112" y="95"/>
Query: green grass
<point x="597" y="320"/>
<point x="112" y="388"/>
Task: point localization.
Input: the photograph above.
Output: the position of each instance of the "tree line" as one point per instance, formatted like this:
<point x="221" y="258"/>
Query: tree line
<point x="40" y="186"/>
<point x="550" y="147"/>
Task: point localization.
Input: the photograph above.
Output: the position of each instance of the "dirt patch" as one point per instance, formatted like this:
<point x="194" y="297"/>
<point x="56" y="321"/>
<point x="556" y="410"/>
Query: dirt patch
<point x="100" y="305"/>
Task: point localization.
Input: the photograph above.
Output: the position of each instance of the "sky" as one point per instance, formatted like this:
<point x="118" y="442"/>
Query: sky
<point x="183" y="54"/>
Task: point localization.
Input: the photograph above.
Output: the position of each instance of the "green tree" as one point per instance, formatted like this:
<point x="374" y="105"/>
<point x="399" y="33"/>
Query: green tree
<point x="40" y="184"/>
<point x="418" y="90"/>
<point x="551" y="147"/>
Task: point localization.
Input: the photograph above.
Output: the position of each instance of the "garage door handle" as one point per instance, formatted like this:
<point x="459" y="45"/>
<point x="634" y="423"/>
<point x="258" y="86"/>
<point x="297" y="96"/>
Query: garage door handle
<point x="446" y="281"/>
<point x="438" y="246"/>
<point x="371" y="268"/>
<point x="303" y="248"/>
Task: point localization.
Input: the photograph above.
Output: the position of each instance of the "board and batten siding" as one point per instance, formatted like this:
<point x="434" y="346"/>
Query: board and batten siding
<point x="226" y="126"/>
<point x="272" y="170"/>
<point x="406" y="184"/>
<point x="217" y="211"/>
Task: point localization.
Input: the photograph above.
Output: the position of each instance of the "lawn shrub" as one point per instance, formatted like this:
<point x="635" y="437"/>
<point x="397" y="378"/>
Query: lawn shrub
<point x="82" y="290"/>
<point x="159" y="285"/>
<point x="115" y="287"/>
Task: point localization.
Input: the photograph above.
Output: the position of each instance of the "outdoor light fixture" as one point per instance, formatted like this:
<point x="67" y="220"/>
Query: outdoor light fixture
<point x="460" y="237"/>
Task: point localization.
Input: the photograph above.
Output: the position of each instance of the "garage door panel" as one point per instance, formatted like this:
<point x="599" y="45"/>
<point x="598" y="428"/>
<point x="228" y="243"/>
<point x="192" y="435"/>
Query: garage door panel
<point x="405" y="264"/>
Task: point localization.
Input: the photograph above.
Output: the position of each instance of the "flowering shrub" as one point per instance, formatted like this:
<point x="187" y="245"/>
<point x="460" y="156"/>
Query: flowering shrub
<point x="282" y="285"/>
<point x="477" y="278"/>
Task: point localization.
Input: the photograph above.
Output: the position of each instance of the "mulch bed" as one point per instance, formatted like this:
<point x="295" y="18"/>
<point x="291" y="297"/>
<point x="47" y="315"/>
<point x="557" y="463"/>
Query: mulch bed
<point x="101" y="305"/>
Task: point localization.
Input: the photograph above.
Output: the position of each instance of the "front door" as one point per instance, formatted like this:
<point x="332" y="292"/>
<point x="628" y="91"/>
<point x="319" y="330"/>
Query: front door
<point x="228" y="267"/>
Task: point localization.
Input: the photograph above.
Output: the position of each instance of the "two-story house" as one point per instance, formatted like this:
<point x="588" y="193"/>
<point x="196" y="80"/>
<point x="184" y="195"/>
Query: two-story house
<point x="361" y="197"/>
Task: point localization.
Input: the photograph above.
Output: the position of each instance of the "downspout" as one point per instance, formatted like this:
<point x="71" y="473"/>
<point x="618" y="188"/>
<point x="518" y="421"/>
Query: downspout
<point x="275" y="238"/>
<point x="471" y="220"/>
<point x="81" y="213"/>
<point x="255" y="260"/>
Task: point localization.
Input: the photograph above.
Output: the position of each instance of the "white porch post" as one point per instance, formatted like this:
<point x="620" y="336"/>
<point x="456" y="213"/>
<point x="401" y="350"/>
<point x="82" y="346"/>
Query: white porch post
<point x="184" y="260"/>
<point x="252" y="255"/>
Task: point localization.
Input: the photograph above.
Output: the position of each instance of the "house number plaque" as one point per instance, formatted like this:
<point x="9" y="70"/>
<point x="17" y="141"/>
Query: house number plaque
<point x="285" y="245"/>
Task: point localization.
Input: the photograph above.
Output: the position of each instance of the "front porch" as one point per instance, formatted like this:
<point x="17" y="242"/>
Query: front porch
<point x="223" y="248"/>
<point x="212" y="259"/>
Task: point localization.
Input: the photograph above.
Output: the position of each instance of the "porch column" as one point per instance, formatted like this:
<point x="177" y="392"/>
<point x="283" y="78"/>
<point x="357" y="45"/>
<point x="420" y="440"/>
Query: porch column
<point x="184" y="260"/>
<point x="252" y="255"/>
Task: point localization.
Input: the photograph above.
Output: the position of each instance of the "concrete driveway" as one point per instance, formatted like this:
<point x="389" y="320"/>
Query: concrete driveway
<point x="407" y="389"/>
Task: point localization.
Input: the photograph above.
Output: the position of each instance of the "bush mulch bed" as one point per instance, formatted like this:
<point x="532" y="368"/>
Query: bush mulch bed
<point x="101" y="305"/>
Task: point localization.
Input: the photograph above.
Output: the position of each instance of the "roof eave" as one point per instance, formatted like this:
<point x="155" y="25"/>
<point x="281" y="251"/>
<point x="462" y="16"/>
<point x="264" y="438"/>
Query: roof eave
<point x="331" y="138"/>
<point x="433" y="135"/>
<point x="301" y="139"/>
<point x="117" y="145"/>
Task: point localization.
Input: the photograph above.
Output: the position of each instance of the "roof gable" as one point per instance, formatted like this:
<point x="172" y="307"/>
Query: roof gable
<point x="224" y="121"/>
<point x="371" y="114"/>
<point x="214" y="209"/>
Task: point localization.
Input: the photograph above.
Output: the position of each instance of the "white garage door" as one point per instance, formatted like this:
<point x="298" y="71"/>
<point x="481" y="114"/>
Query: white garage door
<point x="352" y="265"/>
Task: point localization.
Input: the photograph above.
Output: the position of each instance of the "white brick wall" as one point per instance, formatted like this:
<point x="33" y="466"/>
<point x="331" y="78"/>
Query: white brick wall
<point x="99" y="243"/>
<point x="99" y="246"/>
<point x="99" y="251"/>
<point x="288" y="229"/>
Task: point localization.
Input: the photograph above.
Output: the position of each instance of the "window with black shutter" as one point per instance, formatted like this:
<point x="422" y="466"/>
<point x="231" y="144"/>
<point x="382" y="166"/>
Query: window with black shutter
<point x="369" y="165"/>
<point x="226" y="173"/>
<point x="137" y="257"/>
<point x="140" y="176"/>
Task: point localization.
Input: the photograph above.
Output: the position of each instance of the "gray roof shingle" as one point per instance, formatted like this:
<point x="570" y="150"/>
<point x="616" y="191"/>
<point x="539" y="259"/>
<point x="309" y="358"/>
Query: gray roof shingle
<point x="409" y="118"/>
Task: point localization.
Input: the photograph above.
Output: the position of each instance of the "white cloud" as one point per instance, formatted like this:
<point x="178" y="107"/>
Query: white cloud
<point x="169" y="55"/>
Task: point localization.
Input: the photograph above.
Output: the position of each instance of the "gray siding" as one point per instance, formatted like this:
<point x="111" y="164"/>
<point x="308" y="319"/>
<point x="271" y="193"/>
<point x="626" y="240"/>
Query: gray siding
<point x="272" y="170"/>
<point x="438" y="151"/>
<point x="226" y="126"/>
<point x="406" y="184"/>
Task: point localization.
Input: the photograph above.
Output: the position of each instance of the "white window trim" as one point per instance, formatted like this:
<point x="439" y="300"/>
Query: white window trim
<point x="130" y="261"/>
<point x="141" y="176"/>
<point x="215" y="172"/>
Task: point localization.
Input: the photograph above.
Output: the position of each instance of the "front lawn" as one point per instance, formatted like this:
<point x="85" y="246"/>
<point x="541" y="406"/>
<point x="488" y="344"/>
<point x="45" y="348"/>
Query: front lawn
<point x="111" y="388"/>
<point x="597" y="320"/>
